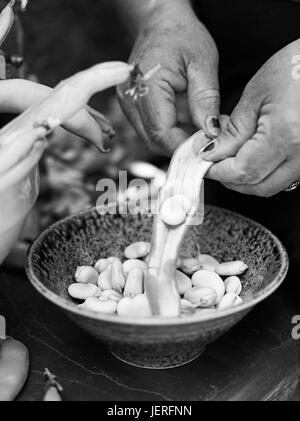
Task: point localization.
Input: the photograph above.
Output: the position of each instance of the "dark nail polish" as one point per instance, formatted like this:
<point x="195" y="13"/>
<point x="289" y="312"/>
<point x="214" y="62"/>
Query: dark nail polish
<point x="215" y="122"/>
<point x="213" y="126"/>
<point x="209" y="147"/>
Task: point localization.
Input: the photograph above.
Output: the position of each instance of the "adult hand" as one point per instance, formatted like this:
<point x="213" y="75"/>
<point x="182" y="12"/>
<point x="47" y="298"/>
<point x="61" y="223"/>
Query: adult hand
<point x="258" y="152"/>
<point x="189" y="63"/>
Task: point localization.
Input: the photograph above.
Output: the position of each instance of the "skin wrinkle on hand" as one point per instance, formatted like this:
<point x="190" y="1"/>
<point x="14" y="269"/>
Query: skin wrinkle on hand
<point x="179" y="57"/>
<point x="266" y="162"/>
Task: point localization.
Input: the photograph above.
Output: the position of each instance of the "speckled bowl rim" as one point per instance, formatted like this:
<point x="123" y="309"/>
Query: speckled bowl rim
<point x="155" y="321"/>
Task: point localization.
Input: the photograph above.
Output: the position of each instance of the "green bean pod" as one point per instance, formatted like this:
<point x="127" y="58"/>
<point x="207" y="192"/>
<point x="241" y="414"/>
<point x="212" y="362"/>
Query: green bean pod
<point x="14" y="366"/>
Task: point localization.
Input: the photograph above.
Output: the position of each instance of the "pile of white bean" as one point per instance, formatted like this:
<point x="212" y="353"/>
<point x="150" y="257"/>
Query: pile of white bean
<point x="114" y="287"/>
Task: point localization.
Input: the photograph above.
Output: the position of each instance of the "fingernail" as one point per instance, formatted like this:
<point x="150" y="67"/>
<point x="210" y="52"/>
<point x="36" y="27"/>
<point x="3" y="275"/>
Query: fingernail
<point x="213" y="125"/>
<point x="111" y="133"/>
<point x="209" y="147"/>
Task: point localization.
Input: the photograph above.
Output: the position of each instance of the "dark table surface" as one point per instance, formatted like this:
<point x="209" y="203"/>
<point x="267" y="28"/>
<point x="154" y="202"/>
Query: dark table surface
<point x="257" y="360"/>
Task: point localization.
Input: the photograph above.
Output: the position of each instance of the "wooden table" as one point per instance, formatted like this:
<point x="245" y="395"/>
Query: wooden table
<point x="256" y="360"/>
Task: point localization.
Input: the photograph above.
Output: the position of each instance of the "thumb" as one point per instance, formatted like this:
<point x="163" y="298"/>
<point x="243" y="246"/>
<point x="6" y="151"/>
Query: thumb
<point x="240" y="127"/>
<point x="204" y="100"/>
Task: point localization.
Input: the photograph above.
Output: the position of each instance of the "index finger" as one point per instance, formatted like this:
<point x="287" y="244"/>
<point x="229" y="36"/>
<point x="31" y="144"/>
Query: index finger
<point x="159" y="116"/>
<point x="256" y="159"/>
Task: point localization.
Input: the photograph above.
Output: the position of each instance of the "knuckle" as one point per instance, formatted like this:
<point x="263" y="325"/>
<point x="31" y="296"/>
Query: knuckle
<point x="156" y="137"/>
<point x="205" y="95"/>
<point x="262" y="191"/>
<point x="290" y="117"/>
<point x="159" y="141"/>
<point x="205" y="100"/>
<point x="288" y="127"/>
<point x="154" y="144"/>
<point x="253" y="175"/>
<point x="152" y="123"/>
<point x="247" y="174"/>
<point x="234" y="127"/>
<point x="241" y="123"/>
<point x="241" y="175"/>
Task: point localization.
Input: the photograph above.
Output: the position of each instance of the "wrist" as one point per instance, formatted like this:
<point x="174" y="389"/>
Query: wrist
<point x="165" y="13"/>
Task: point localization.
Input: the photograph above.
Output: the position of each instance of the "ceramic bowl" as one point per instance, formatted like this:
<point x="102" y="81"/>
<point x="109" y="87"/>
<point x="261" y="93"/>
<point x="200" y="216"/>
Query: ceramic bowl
<point x="154" y="342"/>
<point x="19" y="188"/>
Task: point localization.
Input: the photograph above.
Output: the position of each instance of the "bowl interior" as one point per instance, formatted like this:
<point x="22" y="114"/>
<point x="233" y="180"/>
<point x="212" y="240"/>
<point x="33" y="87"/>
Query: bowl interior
<point x="83" y="238"/>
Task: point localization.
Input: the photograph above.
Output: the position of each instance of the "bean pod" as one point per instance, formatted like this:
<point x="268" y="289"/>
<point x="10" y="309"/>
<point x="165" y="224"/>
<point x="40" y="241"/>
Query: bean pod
<point x="14" y="366"/>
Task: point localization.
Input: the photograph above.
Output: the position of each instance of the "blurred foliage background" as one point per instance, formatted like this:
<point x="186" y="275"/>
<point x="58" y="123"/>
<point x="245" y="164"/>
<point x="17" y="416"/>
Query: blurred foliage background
<point x="65" y="36"/>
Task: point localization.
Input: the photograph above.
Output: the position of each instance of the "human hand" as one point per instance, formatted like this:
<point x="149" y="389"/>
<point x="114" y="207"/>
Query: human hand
<point x="17" y="95"/>
<point x="189" y="63"/>
<point x="258" y="152"/>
